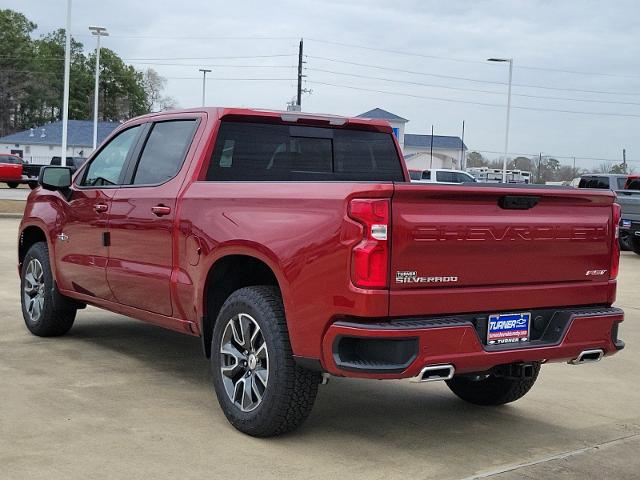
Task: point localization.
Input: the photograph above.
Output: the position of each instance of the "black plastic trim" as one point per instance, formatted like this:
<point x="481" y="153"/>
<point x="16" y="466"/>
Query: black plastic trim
<point x="309" y="363"/>
<point x="371" y="364"/>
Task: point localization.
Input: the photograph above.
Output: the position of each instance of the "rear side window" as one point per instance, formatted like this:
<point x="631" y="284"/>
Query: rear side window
<point x="164" y="151"/>
<point x="426" y="175"/>
<point x="415" y="174"/>
<point x="621" y="182"/>
<point x="271" y="152"/>
<point x="594" y="182"/>
<point x="446" y="177"/>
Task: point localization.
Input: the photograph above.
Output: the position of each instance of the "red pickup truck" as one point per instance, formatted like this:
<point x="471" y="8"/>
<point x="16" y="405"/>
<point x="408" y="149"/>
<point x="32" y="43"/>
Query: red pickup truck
<point x="11" y="170"/>
<point x="295" y="246"/>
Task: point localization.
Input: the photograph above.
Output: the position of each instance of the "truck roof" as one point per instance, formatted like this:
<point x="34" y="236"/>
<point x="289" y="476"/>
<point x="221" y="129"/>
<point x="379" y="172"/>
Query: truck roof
<point x="318" y="119"/>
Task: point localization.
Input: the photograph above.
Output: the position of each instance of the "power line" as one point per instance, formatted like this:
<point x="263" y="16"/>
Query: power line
<point x="407" y="82"/>
<point x="169" y="78"/>
<point x="226" y="57"/>
<point x="450" y="100"/>
<point x="468" y="79"/>
<point x="462" y="60"/>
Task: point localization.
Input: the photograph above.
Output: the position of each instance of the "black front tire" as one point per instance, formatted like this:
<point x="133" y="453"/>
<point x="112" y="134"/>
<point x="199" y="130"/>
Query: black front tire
<point x="12" y="184"/>
<point x="291" y="390"/>
<point x="55" y="312"/>
<point x="492" y="389"/>
<point x="33" y="185"/>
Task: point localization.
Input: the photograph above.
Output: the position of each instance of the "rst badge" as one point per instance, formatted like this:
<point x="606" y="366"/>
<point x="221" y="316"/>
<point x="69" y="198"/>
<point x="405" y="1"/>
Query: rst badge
<point x="413" y="277"/>
<point x="508" y="328"/>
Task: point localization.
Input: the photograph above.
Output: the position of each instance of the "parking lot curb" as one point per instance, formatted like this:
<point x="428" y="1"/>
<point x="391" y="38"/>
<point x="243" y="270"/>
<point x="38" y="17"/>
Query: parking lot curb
<point x="11" y="215"/>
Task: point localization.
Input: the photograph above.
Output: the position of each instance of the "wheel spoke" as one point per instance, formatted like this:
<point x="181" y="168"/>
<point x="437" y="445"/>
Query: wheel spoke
<point x="247" y="400"/>
<point x="262" y="375"/>
<point x="29" y="284"/>
<point x="35" y="309"/>
<point x="245" y="326"/>
<point x="236" y="328"/>
<point x="261" y="352"/>
<point x="255" y="388"/>
<point x="254" y="337"/>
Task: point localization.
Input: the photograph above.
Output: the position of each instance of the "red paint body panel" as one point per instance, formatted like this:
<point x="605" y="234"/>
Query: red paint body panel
<point x="10" y="172"/>
<point x="155" y="268"/>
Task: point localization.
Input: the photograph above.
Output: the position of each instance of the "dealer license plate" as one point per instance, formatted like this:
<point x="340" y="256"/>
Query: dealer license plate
<point x="508" y="328"/>
<point x="626" y="223"/>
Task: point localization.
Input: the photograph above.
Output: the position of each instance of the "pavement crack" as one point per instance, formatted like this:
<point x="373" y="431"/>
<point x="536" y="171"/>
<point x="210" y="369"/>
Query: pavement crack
<point x="559" y="456"/>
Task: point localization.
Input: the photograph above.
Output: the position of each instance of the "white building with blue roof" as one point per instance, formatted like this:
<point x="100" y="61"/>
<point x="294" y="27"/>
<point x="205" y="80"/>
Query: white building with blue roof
<point x="419" y="153"/>
<point x="39" y="144"/>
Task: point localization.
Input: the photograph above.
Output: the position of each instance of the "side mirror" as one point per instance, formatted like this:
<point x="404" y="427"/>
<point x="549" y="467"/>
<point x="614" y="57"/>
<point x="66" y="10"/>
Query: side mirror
<point x="55" y="178"/>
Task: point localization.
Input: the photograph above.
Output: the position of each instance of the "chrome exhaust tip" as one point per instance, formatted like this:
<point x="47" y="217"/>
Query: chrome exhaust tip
<point x="434" y="373"/>
<point x="588" y="356"/>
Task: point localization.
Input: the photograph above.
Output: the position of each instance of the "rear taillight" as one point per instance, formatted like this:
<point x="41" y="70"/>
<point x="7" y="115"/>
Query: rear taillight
<point x="370" y="257"/>
<point x="615" y="245"/>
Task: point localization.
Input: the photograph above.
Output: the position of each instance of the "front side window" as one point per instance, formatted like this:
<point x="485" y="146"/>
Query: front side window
<point x="621" y="182"/>
<point x="106" y="167"/>
<point x="164" y="151"/>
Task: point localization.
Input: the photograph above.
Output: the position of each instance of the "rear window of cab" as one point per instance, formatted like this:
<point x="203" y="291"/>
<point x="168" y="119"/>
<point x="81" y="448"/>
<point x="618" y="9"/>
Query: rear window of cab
<point x="275" y="152"/>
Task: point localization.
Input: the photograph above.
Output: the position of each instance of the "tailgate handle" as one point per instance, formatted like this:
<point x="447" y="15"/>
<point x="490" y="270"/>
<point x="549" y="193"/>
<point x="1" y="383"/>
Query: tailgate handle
<point x="515" y="202"/>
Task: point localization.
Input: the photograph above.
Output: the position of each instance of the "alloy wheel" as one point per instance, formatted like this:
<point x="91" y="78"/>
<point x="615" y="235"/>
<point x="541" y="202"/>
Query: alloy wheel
<point x="34" y="289"/>
<point x="244" y="362"/>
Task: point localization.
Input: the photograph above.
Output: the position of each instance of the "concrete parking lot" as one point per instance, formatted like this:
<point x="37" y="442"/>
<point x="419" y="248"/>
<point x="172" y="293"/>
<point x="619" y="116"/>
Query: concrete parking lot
<point x="116" y="398"/>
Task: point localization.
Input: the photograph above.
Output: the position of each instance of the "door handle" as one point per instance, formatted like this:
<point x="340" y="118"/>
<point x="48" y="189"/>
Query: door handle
<point x="100" y="207"/>
<point x="161" y="210"/>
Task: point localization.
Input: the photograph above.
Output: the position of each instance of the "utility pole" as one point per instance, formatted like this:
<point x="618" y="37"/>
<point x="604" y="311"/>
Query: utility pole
<point x="624" y="160"/>
<point x="98" y="32"/>
<point x="204" y="83"/>
<point x="67" y="70"/>
<point x="299" y="98"/>
<point x="539" y="167"/>
<point x="431" y="160"/>
<point x="462" y="165"/>
<point x="506" y="132"/>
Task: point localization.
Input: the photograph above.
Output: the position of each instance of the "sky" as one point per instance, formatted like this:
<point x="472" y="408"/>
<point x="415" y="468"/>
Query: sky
<point x="576" y="76"/>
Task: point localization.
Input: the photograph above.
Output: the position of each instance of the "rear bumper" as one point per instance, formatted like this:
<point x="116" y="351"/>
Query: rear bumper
<point x="402" y="348"/>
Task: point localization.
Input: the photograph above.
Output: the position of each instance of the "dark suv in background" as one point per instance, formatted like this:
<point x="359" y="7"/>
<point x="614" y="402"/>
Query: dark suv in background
<point x="627" y="187"/>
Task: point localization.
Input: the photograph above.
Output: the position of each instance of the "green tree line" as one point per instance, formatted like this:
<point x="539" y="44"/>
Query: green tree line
<point x="32" y="79"/>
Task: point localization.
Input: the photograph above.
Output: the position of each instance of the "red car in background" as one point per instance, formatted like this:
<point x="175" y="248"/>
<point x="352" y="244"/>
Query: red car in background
<point x="11" y="170"/>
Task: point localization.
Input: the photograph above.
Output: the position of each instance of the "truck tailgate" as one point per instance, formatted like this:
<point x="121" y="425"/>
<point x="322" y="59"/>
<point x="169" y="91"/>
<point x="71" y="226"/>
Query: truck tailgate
<point x="446" y="237"/>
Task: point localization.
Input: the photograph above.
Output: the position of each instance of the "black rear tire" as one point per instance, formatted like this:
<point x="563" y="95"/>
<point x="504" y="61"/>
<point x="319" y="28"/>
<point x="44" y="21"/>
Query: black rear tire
<point x="492" y="390"/>
<point x="635" y="244"/>
<point x="12" y="184"/>
<point x="46" y="312"/>
<point x="625" y="241"/>
<point x="33" y="185"/>
<point x="290" y="390"/>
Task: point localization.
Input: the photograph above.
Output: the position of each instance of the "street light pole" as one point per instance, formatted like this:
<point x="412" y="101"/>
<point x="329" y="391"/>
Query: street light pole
<point x="204" y="83"/>
<point x="98" y="32"/>
<point x="65" y="100"/>
<point x="506" y="133"/>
